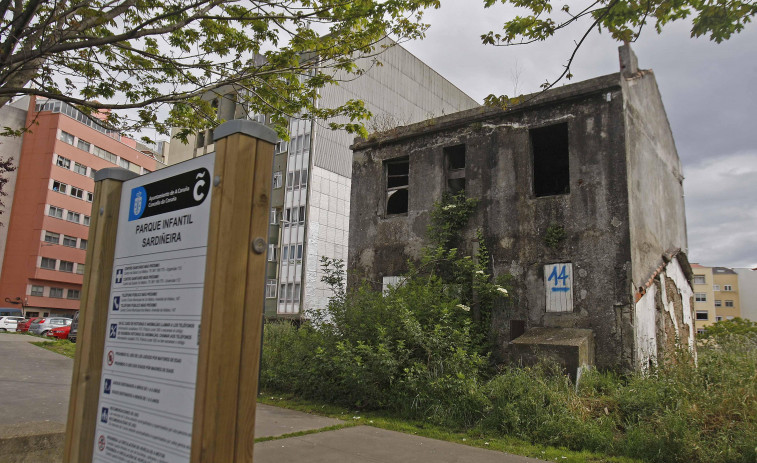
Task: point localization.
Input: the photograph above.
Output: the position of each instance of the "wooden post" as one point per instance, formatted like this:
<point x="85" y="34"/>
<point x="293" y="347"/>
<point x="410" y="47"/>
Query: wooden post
<point x="93" y="315"/>
<point x="228" y="364"/>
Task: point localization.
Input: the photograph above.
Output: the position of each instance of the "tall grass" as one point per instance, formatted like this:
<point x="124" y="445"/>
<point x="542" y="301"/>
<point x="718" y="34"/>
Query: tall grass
<point x="678" y="413"/>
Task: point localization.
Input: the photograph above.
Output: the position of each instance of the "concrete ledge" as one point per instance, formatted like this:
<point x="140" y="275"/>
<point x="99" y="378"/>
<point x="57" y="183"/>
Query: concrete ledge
<point x="573" y="348"/>
<point x="32" y="442"/>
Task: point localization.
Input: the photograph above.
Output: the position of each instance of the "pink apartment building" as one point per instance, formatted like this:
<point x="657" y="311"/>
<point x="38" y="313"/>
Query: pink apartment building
<point x="49" y="220"/>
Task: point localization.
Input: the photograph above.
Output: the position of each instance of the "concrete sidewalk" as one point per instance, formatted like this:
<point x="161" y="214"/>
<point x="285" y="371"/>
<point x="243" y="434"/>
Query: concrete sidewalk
<point x="36" y="382"/>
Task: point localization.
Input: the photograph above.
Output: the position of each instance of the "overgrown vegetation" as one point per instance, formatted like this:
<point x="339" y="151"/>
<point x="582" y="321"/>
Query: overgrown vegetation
<point x="419" y="352"/>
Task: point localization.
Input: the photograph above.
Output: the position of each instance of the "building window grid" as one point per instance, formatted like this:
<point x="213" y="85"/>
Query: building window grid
<point x="700" y="297"/>
<point x="703" y="315"/>
<point x="72" y="294"/>
<point x="37" y="290"/>
<point x="80" y="269"/>
<point x="718" y="303"/>
<point x="74" y="217"/>
<point x="63" y="162"/>
<point x="66" y="266"/>
<point x="729" y="303"/>
<point x="727" y="288"/>
<point x="56" y="212"/>
<point x="56" y="293"/>
<point x="69" y="241"/>
<point x="47" y="263"/>
<point x="270" y="289"/>
<point x="60" y="187"/>
<point x="52" y="238"/>
<point x="80" y="169"/>
<point x="699" y="280"/>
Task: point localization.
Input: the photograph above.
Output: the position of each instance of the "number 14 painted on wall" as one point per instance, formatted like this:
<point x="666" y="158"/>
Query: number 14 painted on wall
<point x="561" y="280"/>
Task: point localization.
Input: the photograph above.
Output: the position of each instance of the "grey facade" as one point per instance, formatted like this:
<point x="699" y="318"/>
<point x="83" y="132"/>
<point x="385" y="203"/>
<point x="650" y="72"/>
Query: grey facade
<point x="594" y="159"/>
<point x="310" y="200"/>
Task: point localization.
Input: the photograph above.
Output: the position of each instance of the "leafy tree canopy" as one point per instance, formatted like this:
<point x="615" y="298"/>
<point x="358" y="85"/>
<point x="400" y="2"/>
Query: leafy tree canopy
<point x="142" y="55"/>
<point x="623" y="19"/>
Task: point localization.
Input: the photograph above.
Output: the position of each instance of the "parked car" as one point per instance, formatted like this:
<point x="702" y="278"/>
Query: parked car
<point x="9" y="323"/>
<point x="60" y="332"/>
<point x="74" y="328"/>
<point x="23" y="325"/>
<point x="45" y="324"/>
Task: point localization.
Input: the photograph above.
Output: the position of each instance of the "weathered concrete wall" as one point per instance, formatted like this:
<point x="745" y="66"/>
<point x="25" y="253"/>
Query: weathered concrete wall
<point x="594" y="214"/>
<point x="655" y="191"/>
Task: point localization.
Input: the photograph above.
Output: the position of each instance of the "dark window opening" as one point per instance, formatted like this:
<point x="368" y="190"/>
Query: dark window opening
<point x="455" y="160"/>
<point x="397" y="181"/>
<point x="397" y="201"/>
<point x="455" y="157"/>
<point x="517" y="328"/>
<point x="551" y="167"/>
<point x="200" y="139"/>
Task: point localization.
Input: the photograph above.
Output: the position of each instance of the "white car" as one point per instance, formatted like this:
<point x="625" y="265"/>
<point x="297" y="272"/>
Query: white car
<point x="9" y="323"/>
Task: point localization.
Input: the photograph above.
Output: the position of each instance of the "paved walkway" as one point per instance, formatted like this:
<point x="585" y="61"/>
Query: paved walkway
<point x="35" y="386"/>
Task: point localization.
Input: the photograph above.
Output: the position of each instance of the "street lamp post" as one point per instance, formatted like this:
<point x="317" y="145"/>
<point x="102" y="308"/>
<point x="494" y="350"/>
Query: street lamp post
<point x="17" y="301"/>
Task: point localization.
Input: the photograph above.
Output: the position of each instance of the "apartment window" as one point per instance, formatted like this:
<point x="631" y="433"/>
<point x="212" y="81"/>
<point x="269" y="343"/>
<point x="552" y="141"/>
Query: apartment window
<point x="302" y="214"/>
<point x="716" y="287"/>
<point x="550" y="157"/>
<point x="278" y="179"/>
<point x="37" y="290"/>
<point x="273" y="216"/>
<point x="80" y="169"/>
<point x="69" y="241"/>
<point x="728" y="303"/>
<point x="296" y="179"/>
<point x="455" y="160"/>
<point x="699" y="280"/>
<point x="83" y="145"/>
<point x="63" y="162"/>
<point x="60" y="187"/>
<point x="51" y="237"/>
<point x="718" y="318"/>
<point x="290" y="291"/>
<point x="283" y="293"/>
<point x="703" y="315"/>
<point x="281" y="147"/>
<point x="304" y="177"/>
<point x="72" y="294"/>
<point x="124" y="163"/>
<point x="105" y="154"/>
<point x="299" y="252"/>
<point x="291" y="253"/>
<point x="284" y="253"/>
<point x="73" y="217"/>
<point x="92" y="172"/>
<point x="56" y="212"/>
<point x="86" y="220"/>
<point x="66" y="137"/>
<point x="83" y="244"/>
<point x="295" y="214"/>
<point x="397" y="181"/>
<point x="66" y="266"/>
<point x="727" y="288"/>
<point x="270" y="289"/>
<point x="272" y="253"/>
<point x="700" y="297"/>
<point x="296" y="292"/>
<point x="718" y="303"/>
<point x="88" y="197"/>
<point x="47" y="263"/>
<point x="56" y="292"/>
<point x="77" y="192"/>
<point x="287" y="216"/>
<point x="200" y="139"/>
<point x="80" y="269"/>
<point x="290" y="181"/>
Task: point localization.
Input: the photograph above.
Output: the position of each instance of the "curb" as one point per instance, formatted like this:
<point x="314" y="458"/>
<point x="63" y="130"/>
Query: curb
<point x="32" y="442"/>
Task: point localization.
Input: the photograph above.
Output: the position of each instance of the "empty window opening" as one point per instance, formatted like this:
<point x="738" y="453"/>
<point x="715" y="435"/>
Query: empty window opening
<point x="550" y="155"/>
<point x="397" y="180"/>
<point x="455" y="161"/>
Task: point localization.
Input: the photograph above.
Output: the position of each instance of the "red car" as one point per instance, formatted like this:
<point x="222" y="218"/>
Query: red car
<point x="23" y="326"/>
<point x="60" y="332"/>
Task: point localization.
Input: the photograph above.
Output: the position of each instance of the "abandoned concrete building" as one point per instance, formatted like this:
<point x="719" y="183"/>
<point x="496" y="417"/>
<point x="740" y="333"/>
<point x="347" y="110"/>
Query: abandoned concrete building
<point x="594" y="161"/>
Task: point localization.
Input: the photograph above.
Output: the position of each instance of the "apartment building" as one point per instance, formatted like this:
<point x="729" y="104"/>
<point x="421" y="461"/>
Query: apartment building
<point x="716" y="295"/>
<point x="748" y="292"/>
<point x="47" y="236"/>
<point x="310" y="200"/>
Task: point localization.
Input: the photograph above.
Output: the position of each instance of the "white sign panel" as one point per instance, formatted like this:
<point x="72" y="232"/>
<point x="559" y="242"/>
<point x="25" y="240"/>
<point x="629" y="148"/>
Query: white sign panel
<point x="558" y="280"/>
<point x="147" y="389"/>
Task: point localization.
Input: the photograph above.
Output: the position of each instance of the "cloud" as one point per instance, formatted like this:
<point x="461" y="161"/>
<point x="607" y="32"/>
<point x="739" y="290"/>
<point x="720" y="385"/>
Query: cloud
<point x="720" y="209"/>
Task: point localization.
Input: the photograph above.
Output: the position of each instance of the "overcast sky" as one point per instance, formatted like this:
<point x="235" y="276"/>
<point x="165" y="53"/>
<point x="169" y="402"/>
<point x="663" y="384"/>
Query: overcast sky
<point x="708" y="91"/>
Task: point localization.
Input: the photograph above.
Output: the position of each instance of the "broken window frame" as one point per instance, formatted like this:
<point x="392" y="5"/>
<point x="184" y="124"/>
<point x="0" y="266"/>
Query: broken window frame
<point x="454" y="173"/>
<point x="393" y="190"/>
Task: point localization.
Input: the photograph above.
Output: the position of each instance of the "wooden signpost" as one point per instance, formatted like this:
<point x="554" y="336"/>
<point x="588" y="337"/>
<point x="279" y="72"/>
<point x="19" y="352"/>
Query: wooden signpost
<point x="170" y="323"/>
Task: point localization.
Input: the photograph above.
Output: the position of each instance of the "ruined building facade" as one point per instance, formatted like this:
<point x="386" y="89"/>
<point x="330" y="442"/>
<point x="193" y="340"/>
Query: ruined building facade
<point x="581" y="201"/>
